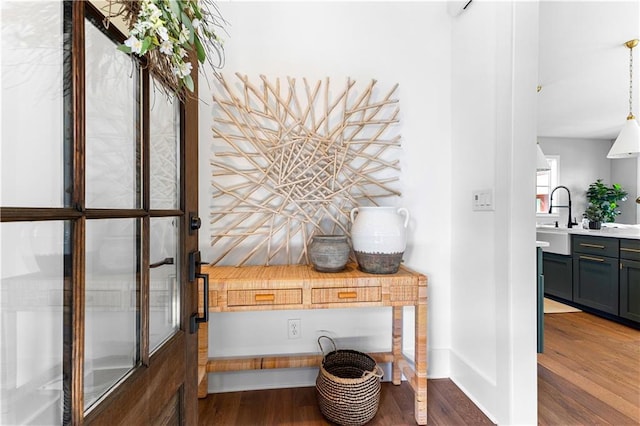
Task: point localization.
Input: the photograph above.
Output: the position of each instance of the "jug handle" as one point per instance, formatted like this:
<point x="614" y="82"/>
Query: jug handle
<point x="406" y="215"/>
<point x="353" y="214"/>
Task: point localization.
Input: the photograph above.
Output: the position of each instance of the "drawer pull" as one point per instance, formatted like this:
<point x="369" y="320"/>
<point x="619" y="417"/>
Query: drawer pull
<point x="630" y="250"/>
<point x="265" y="297"/>
<point x="595" y="259"/>
<point x="347" y="295"/>
<point x="592" y="245"/>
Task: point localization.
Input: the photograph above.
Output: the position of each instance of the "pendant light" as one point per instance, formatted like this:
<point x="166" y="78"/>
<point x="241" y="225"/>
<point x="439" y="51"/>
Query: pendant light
<point x="627" y="144"/>
<point x="541" y="161"/>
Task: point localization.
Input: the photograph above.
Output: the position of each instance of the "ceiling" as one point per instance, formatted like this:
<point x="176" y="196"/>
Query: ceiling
<point x="584" y="67"/>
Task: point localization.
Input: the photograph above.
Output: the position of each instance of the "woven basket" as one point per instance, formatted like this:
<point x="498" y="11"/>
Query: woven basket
<point x="348" y="386"/>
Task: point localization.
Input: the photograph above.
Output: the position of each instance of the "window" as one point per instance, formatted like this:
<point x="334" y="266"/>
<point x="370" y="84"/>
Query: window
<point x="545" y="182"/>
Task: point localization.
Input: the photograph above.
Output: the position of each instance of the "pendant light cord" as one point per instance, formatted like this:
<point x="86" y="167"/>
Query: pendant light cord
<point x="631" y="117"/>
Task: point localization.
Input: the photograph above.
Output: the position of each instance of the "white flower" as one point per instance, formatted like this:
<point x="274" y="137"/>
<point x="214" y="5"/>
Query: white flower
<point x="182" y="69"/>
<point x="155" y="13"/>
<point x="196" y="23"/>
<point x="182" y="53"/>
<point x="134" y="44"/>
<point x="166" y="47"/>
<point x="163" y="33"/>
<point x="184" y="34"/>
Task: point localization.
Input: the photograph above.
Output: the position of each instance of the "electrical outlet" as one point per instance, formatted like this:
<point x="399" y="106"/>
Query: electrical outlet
<point x="294" y="328"/>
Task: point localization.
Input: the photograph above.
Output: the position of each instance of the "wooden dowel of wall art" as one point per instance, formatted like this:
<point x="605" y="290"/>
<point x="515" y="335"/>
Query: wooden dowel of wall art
<point x="256" y="248"/>
<point x="336" y="102"/>
<point x="240" y="240"/>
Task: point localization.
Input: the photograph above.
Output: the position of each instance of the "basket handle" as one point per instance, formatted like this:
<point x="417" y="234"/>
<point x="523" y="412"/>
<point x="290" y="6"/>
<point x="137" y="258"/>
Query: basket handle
<point x="332" y="342"/>
<point x="379" y="372"/>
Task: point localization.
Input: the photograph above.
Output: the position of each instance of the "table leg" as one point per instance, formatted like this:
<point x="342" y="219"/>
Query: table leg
<point x="421" y="362"/>
<point x="396" y="345"/>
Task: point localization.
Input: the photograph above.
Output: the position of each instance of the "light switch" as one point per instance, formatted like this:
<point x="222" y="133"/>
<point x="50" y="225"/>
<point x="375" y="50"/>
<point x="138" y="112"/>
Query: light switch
<point x="482" y="200"/>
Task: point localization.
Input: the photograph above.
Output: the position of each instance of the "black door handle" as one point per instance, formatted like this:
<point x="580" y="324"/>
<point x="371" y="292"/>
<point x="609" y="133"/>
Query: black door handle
<point x="166" y="261"/>
<point x="195" y="318"/>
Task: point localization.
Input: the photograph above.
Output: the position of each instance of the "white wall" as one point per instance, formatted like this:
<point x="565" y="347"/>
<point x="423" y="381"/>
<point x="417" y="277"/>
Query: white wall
<point x="493" y="285"/>
<point x="582" y="162"/>
<point x="468" y="122"/>
<point x="405" y="43"/>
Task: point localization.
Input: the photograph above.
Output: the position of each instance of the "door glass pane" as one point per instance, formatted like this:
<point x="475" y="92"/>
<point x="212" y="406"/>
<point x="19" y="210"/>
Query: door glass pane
<point x="31" y="161"/>
<point x="164" y="300"/>
<point x="111" y="318"/>
<point x="111" y="108"/>
<point x="165" y="149"/>
<point x="31" y="266"/>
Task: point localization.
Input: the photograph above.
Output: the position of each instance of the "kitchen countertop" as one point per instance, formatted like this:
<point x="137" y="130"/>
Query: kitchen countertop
<point x="613" y="230"/>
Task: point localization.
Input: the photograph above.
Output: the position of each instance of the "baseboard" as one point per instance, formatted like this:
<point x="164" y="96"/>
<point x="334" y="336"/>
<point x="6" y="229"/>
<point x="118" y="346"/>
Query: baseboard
<point x="473" y="382"/>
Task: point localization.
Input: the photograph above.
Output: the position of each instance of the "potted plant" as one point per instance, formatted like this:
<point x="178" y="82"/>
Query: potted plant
<point x="603" y="203"/>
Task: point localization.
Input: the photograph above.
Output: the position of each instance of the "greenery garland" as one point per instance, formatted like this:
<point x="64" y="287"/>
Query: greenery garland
<point x="167" y="31"/>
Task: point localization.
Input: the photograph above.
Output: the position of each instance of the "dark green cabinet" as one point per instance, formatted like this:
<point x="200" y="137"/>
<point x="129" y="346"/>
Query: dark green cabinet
<point x="595" y="272"/>
<point x="630" y="279"/>
<point x="540" y="299"/>
<point x="558" y="275"/>
<point x="595" y="282"/>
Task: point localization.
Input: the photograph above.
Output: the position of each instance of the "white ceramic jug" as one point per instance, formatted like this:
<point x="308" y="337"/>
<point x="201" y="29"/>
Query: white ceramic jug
<point x="379" y="238"/>
<point x="379" y="229"/>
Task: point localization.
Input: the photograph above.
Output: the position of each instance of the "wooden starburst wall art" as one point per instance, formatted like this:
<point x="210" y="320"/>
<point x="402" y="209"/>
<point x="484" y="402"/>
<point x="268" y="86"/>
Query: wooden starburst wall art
<point x="291" y="159"/>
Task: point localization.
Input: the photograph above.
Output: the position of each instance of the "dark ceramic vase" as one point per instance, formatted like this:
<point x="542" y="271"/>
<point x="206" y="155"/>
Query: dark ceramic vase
<point x="329" y="253"/>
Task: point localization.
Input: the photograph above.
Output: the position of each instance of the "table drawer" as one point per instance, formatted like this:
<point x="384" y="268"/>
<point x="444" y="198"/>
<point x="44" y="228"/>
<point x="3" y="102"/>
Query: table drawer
<point x="288" y="296"/>
<point x="600" y="246"/>
<point x="346" y="295"/>
<point x="630" y="249"/>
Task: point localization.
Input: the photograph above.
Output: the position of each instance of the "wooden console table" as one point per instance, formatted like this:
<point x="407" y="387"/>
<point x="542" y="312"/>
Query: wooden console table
<point x="258" y="288"/>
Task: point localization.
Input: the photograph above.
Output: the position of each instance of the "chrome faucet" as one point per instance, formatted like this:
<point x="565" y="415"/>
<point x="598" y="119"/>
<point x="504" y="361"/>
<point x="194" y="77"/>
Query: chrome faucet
<point x="551" y="206"/>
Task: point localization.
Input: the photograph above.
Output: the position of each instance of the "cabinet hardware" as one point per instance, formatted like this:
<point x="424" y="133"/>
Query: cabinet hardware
<point x="265" y="297"/>
<point x="630" y="250"/>
<point x="347" y="295"/>
<point x="592" y="245"/>
<point x="595" y="259"/>
<point x="621" y="266"/>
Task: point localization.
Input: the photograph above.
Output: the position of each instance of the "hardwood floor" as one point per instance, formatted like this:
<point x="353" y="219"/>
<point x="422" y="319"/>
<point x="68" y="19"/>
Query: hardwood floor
<point x="297" y="406"/>
<point x="589" y="373"/>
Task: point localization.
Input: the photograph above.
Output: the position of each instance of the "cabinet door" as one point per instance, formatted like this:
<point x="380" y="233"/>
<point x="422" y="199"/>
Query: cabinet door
<point x="630" y="289"/>
<point x="558" y="275"/>
<point x="595" y="282"/>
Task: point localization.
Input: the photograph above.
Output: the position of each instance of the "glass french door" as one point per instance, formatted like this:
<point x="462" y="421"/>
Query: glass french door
<point x="94" y="294"/>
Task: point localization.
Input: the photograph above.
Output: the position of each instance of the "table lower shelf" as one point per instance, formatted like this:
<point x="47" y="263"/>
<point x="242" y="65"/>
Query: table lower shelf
<point x="402" y="365"/>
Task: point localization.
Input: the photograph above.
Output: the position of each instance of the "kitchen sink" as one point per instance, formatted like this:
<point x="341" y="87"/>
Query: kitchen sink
<point x="558" y="238"/>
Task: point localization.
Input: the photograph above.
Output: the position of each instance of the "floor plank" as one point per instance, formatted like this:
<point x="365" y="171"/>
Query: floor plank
<point x="589" y="372"/>
<point x="447" y="405"/>
<point x="588" y="375"/>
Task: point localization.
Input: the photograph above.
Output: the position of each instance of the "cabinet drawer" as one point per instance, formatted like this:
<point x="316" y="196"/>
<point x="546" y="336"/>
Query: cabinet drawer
<point x="630" y="249"/>
<point x="346" y="295"/>
<point x="600" y="246"/>
<point x="289" y="296"/>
